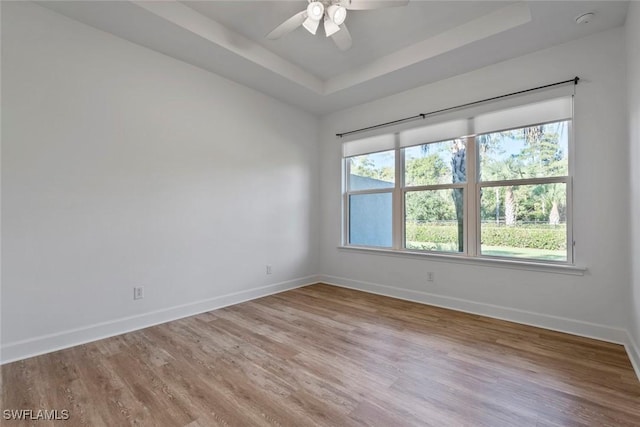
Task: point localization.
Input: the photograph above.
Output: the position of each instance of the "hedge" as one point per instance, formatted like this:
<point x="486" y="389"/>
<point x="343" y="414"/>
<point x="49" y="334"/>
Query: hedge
<point x="534" y="237"/>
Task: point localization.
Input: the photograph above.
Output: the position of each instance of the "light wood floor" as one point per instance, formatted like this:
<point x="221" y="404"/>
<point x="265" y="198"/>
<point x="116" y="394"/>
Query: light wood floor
<point x="322" y="355"/>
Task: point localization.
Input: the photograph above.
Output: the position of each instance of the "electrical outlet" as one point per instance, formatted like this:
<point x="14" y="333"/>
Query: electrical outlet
<point x="269" y="269"/>
<point x="430" y="276"/>
<point x="138" y="293"/>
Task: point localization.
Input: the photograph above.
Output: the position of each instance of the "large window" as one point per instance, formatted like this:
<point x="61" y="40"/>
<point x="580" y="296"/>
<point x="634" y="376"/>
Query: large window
<point x="492" y="191"/>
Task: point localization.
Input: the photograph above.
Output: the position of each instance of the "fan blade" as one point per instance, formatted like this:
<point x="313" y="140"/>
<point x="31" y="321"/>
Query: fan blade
<point x="342" y="38"/>
<point x="311" y="25"/>
<point x="330" y="27"/>
<point x="287" y="26"/>
<point x="371" y="4"/>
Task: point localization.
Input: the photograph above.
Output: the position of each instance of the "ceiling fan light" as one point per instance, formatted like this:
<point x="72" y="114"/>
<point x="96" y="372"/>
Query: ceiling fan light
<point x="315" y="11"/>
<point x="311" y="25"/>
<point x="330" y="27"/>
<point x="337" y="14"/>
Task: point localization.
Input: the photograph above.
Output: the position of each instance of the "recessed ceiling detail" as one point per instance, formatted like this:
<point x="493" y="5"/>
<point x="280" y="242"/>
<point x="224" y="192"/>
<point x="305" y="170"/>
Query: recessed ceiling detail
<point x="394" y="49"/>
<point x="210" y="30"/>
<point x="477" y="29"/>
<point x="485" y="26"/>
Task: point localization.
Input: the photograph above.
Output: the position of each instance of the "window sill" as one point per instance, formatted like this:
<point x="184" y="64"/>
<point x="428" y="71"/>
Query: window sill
<point x="483" y="261"/>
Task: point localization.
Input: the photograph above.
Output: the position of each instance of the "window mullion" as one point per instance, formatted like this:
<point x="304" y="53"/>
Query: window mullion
<point x="398" y="198"/>
<point x="345" y="200"/>
<point x="472" y="222"/>
<point x="373" y="191"/>
<point x="571" y="244"/>
<point x="435" y="187"/>
<point x="525" y="181"/>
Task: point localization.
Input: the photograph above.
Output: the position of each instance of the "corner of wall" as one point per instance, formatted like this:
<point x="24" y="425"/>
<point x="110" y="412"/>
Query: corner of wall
<point x="632" y="33"/>
<point x="633" y="351"/>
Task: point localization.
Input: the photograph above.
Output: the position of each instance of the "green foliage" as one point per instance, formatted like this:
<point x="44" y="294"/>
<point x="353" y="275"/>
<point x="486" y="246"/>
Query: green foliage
<point x="427" y="168"/>
<point x="538" y="236"/>
<point x="533" y="202"/>
<point x="433" y="233"/>
<point x="430" y="205"/>
<point x="530" y="152"/>
<point x="367" y="167"/>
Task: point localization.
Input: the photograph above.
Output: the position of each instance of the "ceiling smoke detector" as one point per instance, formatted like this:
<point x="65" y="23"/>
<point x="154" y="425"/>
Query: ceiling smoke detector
<point x="585" y="18"/>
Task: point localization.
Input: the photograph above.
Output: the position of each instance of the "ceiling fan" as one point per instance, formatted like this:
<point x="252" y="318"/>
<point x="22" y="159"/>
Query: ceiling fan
<point x="333" y="13"/>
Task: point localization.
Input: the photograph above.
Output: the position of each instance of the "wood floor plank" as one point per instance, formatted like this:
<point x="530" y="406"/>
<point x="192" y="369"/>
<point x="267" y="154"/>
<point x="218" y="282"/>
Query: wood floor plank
<point x="328" y="356"/>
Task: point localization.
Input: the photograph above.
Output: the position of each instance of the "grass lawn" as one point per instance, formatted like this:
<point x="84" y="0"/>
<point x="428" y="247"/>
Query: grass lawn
<point x="544" y="254"/>
<point x="501" y="251"/>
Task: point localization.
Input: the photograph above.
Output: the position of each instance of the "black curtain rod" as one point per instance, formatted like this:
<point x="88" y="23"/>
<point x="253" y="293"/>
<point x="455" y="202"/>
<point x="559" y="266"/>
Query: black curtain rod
<point x="574" y="80"/>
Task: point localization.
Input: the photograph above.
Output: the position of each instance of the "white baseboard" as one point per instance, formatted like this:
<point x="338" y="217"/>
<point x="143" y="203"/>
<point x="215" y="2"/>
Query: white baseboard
<point x="634" y="354"/>
<point x="560" y="324"/>
<point x="555" y="323"/>
<point x="19" y="350"/>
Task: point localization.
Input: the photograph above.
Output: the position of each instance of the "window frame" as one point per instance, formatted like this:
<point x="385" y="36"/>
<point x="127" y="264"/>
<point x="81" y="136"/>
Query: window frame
<point x="471" y="199"/>
<point x="448" y="186"/>
<point x="347" y="193"/>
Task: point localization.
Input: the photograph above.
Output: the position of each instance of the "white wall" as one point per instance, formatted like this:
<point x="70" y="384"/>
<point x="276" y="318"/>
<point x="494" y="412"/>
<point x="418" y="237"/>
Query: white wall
<point x="593" y="304"/>
<point x="123" y="167"/>
<point x="632" y="27"/>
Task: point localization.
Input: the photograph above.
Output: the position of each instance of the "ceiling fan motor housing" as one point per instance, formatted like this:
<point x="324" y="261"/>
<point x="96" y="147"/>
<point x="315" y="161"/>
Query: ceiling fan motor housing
<point x="333" y="13"/>
<point x="331" y="9"/>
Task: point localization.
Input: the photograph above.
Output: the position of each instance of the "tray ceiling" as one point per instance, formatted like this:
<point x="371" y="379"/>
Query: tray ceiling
<point x="393" y="50"/>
